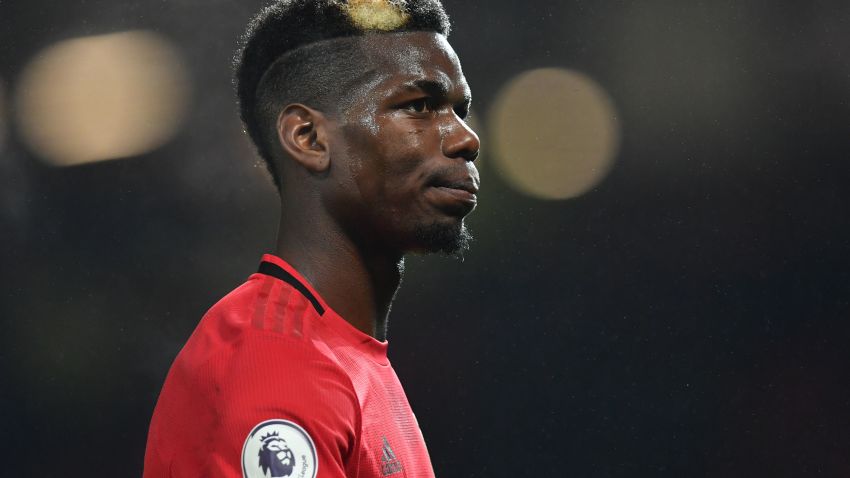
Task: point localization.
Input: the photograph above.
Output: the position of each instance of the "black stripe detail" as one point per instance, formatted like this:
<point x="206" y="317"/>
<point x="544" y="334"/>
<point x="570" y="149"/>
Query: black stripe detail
<point x="277" y="272"/>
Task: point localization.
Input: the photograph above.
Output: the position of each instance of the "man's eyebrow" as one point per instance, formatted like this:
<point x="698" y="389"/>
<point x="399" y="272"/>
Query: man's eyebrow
<point x="435" y="88"/>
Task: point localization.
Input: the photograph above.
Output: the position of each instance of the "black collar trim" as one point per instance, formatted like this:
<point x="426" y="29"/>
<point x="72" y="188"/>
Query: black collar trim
<point x="277" y="272"/>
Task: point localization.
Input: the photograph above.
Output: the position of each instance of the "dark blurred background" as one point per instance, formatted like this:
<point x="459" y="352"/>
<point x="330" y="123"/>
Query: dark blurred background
<point x="659" y="284"/>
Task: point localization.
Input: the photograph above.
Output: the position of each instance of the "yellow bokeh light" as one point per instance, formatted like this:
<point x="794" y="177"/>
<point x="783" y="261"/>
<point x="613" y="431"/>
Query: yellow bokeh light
<point x="554" y="133"/>
<point x="102" y="97"/>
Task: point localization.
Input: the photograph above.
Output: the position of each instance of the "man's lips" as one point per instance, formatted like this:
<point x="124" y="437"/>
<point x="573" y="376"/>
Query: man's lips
<point x="460" y="194"/>
<point x="466" y="184"/>
<point x="458" y="197"/>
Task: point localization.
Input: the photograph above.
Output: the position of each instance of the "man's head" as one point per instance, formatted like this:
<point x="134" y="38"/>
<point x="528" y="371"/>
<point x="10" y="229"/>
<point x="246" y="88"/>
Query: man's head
<point x="360" y="105"/>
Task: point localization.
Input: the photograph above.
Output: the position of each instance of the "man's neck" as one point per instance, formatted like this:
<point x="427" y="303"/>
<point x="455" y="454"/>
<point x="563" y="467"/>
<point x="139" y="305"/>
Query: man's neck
<point x="359" y="285"/>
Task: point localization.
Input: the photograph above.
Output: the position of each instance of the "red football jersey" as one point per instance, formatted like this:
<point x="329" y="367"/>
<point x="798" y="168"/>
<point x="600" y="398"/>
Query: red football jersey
<point x="273" y="383"/>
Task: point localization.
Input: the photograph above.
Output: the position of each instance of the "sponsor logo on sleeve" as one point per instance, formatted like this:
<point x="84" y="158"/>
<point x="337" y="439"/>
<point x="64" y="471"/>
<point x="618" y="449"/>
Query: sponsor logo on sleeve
<point x="390" y="464"/>
<point x="279" y="449"/>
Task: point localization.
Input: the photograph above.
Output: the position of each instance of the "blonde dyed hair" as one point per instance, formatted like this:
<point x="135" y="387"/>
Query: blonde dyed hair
<point x="377" y="15"/>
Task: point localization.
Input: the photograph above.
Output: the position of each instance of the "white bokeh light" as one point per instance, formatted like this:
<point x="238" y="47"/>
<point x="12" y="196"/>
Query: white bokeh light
<point x="555" y="133"/>
<point x="102" y="97"/>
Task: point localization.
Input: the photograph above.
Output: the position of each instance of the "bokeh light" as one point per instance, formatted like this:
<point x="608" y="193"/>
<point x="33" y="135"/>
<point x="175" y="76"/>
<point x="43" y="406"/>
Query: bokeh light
<point x="102" y="97"/>
<point x="554" y="133"/>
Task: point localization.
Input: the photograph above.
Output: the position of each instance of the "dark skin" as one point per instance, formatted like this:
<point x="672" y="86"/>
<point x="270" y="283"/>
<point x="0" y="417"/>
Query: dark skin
<point x="360" y="187"/>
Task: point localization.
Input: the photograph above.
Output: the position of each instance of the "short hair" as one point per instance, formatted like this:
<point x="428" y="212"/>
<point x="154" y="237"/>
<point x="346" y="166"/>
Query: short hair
<point x="306" y="51"/>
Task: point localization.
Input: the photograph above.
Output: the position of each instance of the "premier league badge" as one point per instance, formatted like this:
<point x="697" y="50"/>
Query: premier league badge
<point x="279" y="449"/>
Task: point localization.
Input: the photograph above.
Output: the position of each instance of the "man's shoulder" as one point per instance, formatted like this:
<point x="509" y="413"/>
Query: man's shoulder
<point x="261" y="304"/>
<point x="233" y="378"/>
<point x="263" y="315"/>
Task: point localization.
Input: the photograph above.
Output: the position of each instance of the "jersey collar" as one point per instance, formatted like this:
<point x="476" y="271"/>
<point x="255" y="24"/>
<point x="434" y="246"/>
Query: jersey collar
<point x="274" y="266"/>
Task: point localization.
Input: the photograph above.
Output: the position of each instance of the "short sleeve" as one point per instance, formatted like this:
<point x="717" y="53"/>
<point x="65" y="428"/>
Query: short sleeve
<point x="282" y="407"/>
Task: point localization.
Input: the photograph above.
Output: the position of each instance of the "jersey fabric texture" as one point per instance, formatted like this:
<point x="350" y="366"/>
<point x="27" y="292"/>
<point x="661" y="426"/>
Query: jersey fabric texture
<point x="271" y="374"/>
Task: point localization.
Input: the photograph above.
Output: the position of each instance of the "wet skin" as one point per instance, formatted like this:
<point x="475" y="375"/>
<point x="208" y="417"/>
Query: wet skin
<point x="392" y="173"/>
<point x="403" y="152"/>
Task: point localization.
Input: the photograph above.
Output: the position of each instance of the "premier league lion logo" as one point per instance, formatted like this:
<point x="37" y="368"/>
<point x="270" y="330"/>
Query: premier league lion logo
<point x="284" y="449"/>
<point x="276" y="456"/>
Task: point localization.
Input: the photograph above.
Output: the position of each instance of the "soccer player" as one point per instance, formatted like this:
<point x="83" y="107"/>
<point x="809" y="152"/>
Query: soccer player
<point x="358" y="108"/>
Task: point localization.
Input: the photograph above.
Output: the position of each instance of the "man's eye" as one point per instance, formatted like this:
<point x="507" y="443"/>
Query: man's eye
<point x="420" y="106"/>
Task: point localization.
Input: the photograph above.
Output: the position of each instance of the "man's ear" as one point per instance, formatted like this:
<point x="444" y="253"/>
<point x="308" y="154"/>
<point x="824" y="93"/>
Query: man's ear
<point x="303" y="134"/>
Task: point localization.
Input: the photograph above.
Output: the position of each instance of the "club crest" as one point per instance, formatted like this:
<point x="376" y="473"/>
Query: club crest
<point x="279" y="449"/>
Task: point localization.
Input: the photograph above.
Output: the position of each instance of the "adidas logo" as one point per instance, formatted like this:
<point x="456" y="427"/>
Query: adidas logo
<point x="390" y="464"/>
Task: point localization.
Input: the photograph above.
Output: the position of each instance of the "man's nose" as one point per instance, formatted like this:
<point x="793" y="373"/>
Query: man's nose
<point x="460" y="141"/>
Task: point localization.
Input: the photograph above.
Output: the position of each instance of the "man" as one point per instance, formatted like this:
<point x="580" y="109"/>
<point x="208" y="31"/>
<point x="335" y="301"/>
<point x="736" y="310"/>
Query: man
<point x="359" y="110"/>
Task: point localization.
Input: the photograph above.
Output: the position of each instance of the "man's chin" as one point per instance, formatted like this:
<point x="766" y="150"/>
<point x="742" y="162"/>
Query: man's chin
<point x="446" y="238"/>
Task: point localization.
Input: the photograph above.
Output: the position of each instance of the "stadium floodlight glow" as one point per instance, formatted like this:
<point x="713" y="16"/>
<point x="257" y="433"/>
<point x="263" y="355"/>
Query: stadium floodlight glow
<point x="554" y="132"/>
<point x="102" y="97"/>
